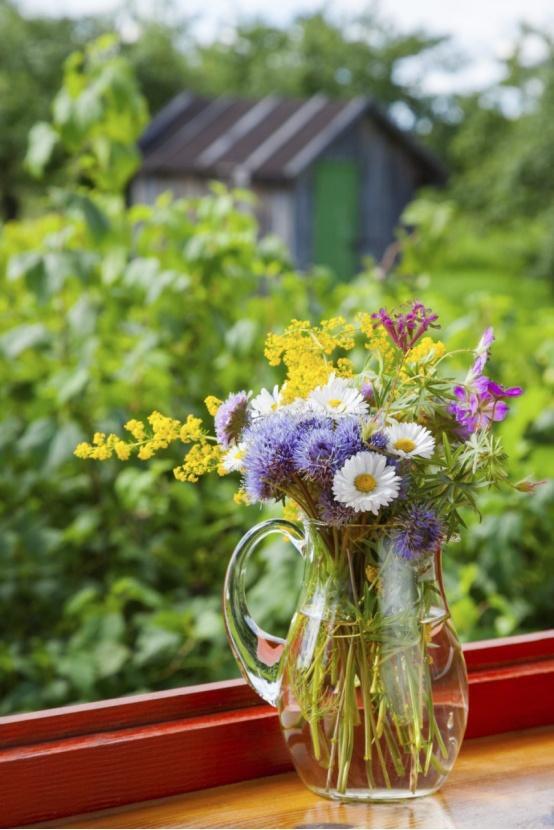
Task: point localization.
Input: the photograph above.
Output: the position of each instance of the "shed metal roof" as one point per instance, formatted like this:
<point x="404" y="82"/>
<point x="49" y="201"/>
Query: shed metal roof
<point x="267" y="139"/>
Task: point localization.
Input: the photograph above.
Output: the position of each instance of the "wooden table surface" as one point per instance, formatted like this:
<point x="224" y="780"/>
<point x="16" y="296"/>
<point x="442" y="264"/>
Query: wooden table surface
<point x="503" y="781"/>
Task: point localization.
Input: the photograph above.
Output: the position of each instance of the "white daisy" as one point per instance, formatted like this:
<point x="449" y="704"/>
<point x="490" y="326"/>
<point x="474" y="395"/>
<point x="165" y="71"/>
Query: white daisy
<point x="408" y="440"/>
<point x="338" y="397"/>
<point x="266" y="402"/>
<point x="233" y="460"/>
<point x="366" y="483"/>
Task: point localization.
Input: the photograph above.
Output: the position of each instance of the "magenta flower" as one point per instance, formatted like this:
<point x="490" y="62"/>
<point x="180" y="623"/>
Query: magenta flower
<point x="405" y="329"/>
<point x="479" y="399"/>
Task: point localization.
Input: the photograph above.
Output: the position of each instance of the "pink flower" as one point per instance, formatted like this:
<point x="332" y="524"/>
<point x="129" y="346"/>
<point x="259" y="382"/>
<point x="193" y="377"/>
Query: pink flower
<point x="405" y="329"/>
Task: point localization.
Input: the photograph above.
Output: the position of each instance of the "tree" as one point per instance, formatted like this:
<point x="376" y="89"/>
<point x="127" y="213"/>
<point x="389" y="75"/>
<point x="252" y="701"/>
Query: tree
<point x="33" y="51"/>
<point x="356" y="55"/>
<point x="31" y="61"/>
<point x="316" y="53"/>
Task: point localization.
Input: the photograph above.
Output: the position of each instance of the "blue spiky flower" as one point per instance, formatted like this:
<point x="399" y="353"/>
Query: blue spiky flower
<point x="420" y="533"/>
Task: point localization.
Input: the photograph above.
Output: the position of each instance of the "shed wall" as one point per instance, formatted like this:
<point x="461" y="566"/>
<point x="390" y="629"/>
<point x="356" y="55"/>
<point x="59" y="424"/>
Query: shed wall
<point x="389" y="178"/>
<point x="274" y="209"/>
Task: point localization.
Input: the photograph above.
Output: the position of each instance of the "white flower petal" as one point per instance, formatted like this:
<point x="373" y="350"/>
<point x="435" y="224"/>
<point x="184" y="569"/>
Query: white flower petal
<point x="408" y="440"/>
<point x="266" y="402"/>
<point x="337" y="398"/>
<point x="371" y="464"/>
<point x="233" y="460"/>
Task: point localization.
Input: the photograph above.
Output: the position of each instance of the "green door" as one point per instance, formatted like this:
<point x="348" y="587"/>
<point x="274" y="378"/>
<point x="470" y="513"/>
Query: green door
<point x="336" y="192"/>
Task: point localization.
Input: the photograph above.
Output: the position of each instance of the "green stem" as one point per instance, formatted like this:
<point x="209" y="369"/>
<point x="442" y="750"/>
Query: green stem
<point x="346" y="742"/>
<point x="334" y="739"/>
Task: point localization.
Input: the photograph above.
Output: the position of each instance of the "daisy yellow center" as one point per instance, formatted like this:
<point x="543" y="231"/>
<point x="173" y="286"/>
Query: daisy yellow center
<point x="365" y="483"/>
<point x="405" y="444"/>
<point x="334" y="402"/>
<point x="274" y="406"/>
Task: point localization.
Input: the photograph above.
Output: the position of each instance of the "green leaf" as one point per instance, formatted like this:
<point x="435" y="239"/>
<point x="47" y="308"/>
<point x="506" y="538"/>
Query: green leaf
<point x="61" y="447"/>
<point x="156" y="643"/>
<point x="42" y="140"/>
<point x="69" y="384"/>
<point x="27" y="336"/>
<point x="110" y="658"/>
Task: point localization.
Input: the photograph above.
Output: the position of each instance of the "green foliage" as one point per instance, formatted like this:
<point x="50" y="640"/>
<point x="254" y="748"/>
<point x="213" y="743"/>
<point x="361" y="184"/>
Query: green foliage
<point x="108" y="311"/>
<point x="502" y="150"/>
<point x="98" y="115"/>
<point x="317" y="53"/>
<point x="31" y="63"/>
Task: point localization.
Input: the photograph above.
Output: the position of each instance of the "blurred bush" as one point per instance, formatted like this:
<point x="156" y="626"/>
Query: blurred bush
<point x="110" y="577"/>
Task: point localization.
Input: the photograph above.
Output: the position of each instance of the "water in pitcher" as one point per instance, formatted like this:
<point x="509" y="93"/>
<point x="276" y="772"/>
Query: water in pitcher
<point x="365" y="721"/>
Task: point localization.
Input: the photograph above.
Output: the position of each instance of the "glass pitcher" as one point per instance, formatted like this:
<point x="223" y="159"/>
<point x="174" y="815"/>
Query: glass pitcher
<point x="370" y="683"/>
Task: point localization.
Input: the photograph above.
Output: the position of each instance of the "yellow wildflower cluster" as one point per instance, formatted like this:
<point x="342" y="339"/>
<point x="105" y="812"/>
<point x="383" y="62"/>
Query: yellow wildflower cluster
<point x="212" y="404"/>
<point x="201" y="458"/>
<point x="191" y="430"/>
<point x="164" y="432"/>
<point x="377" y="341"/>
<point x="427" y="351"/>
<point x="136" y="428"/>
<point x="240" y="497"/>
<point x="422" y="357"/>
<point x="158" y="435"/>
<point x="103" y="447"/>
<point x="304" y="349"/>
<point x="291" y="511"/>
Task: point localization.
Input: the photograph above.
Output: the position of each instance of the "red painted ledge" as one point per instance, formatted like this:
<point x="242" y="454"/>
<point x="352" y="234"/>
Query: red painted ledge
<point x="98" y="755"/>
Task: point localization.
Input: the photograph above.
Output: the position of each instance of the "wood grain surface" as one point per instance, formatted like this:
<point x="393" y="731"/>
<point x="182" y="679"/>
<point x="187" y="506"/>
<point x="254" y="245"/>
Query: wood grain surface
<point x="502" y="781"/>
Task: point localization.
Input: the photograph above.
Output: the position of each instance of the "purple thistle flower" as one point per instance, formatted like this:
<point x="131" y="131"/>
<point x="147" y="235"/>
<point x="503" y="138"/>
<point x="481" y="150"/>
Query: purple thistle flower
<point x="348" y="440"/>
<point x="421" y="532"/>
<point x="333" y="513"/>
<point x="231" y="418"/>
<point x="405" y="329"/>
<point x="366" y="391"/>
<point x="378" y="441"/>
<point x="269" y="460"/>
<point x="315" y="453"/>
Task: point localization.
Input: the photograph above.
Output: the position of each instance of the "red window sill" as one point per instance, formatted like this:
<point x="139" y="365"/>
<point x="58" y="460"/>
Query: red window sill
<point x="93" y="756"/>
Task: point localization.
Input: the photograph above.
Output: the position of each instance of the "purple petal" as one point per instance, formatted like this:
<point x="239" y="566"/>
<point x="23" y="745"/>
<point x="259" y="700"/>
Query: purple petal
<point x="499" y="391"/>
<point x="487" y="339"/>
<point x="499" y="411"/>
<point x="481" y="385"/>
<point x="479" y="364"/>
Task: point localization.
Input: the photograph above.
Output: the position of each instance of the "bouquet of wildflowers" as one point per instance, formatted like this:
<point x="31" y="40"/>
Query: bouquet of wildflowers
<point x="394" y="442"/>
<point x="369" y="441"/>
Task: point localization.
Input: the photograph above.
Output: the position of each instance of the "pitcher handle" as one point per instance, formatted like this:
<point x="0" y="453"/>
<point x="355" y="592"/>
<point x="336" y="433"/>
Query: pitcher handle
<point x="257" y="652"/>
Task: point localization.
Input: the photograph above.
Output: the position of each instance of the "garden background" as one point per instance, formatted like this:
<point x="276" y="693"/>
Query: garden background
<point x="110" y="575"/>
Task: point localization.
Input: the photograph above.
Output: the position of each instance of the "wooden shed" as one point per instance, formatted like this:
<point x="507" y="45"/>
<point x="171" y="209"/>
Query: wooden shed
<point x="332" y="177"/>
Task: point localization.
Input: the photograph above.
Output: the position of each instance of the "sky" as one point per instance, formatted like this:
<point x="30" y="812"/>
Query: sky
<point x="482" y="29"/>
